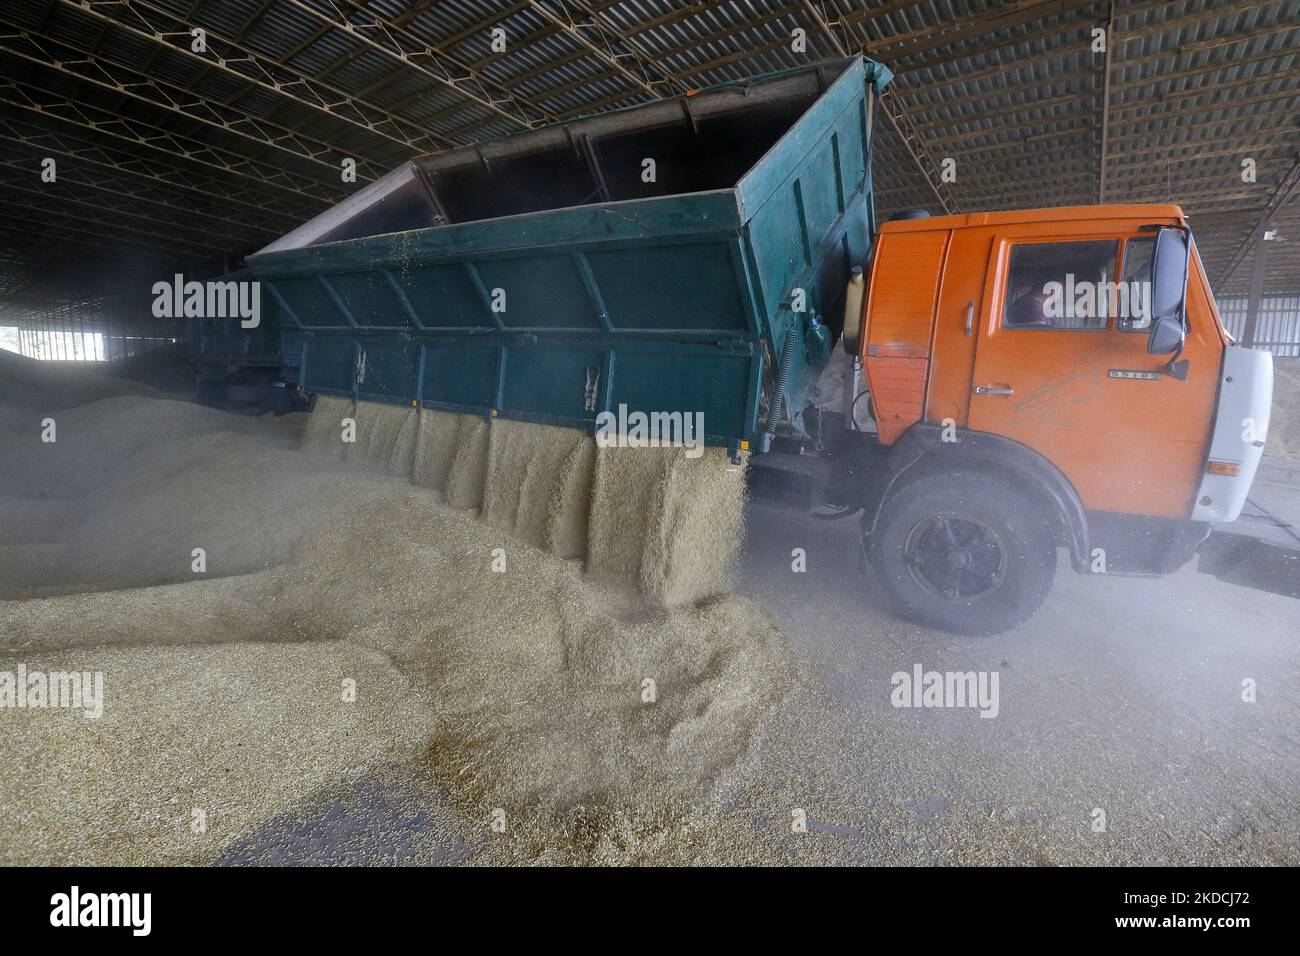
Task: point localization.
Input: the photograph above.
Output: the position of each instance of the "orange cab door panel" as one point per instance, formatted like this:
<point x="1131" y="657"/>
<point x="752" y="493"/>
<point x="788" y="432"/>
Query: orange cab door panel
<point x="956" y="324"/>
<point x="1067" y="373"/>
<point x="906" y="282"/>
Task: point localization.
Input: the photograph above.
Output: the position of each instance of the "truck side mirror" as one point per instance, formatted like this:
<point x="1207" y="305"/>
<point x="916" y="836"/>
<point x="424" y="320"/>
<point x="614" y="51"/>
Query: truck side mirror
<point x="1166" y="336"/>
<point x="1168" y="292"/>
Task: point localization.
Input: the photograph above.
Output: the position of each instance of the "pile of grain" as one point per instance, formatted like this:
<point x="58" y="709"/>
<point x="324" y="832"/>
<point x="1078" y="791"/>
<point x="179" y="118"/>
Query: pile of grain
<point x="27" y="383"/>
<point x="530" y="686"/>
<point x="130" y="487"/>
<point x="669" y="523"/>
<point x="196" y="746"/>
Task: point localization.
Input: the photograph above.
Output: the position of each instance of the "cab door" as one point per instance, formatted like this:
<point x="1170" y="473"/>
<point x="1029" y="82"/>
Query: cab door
<point x="1061" y="366"/>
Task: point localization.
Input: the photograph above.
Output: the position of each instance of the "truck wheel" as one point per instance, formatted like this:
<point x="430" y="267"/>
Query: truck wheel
<point x="963" y="553"/>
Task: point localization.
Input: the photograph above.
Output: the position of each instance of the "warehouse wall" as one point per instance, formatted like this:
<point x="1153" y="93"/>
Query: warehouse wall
<point x="94" y="331"/>
<point x="1279" y="321"/>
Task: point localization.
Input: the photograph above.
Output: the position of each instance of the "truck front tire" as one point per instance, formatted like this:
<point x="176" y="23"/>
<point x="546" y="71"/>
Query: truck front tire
<point x="963" y="552"/>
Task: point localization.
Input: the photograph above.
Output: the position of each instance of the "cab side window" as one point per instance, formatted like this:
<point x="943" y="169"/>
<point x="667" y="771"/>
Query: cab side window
<point x="1060" y="285"/>
<point x="1133" y="308"/>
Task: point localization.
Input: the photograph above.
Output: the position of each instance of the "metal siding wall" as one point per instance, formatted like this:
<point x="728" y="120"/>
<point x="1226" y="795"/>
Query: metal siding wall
<point x="1279" y="322"/>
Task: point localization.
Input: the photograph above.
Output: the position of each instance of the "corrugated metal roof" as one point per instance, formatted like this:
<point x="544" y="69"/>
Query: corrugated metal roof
<point x="223" y="150"/>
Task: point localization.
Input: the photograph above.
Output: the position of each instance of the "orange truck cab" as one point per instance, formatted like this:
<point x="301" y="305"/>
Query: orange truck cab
<point x="1040" y="380"/>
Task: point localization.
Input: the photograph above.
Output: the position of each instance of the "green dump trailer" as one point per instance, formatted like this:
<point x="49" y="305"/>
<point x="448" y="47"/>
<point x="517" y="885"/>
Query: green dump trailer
<point x="687" y="255"/>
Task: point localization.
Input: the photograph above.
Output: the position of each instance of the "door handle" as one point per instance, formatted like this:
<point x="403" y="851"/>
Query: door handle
<point x="970" y="315"/>
<point x="989" y="390"/>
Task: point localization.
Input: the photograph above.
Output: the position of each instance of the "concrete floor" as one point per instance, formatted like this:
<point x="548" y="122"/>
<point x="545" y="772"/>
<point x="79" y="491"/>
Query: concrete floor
<point x="1122" y="694"/>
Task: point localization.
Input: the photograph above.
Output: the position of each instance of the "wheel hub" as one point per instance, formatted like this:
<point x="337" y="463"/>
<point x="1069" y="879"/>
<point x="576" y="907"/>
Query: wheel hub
<point x="956" y="557"/>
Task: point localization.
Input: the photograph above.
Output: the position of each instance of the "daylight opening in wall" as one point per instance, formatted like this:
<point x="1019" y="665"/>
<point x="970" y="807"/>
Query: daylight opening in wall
<point x="54" y="346"/>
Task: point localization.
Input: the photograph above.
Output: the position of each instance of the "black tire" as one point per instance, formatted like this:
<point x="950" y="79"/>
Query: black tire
<point x="963" y="552"/>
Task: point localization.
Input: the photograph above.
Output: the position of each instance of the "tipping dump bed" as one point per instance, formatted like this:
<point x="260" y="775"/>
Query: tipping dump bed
<point x="547" y="277"/>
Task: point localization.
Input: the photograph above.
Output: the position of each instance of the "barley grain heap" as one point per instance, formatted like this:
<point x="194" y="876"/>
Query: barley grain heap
<point x="537" y="688"/>
<point x="670" y="523"/>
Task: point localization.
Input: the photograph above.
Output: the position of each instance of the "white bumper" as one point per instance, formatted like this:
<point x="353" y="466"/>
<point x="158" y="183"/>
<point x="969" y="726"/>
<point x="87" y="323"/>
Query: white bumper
<point x="1240" y="429"/>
